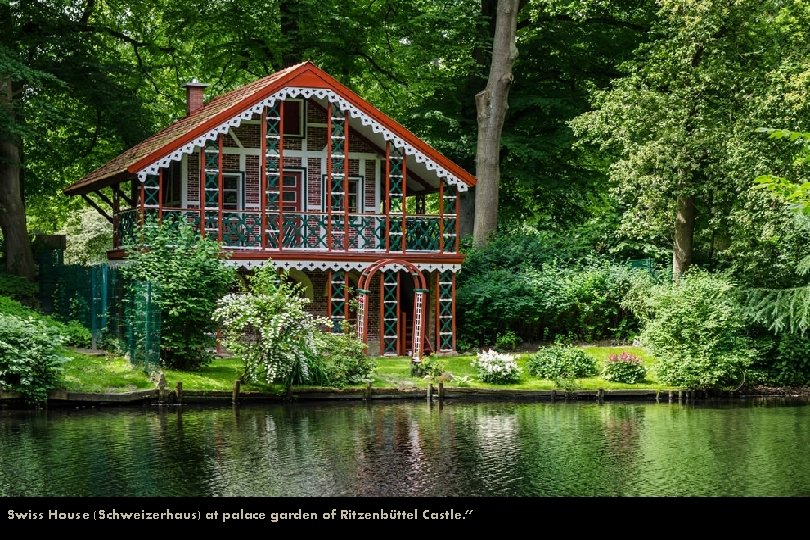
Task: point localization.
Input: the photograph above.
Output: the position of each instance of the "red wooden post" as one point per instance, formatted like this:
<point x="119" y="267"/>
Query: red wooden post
<point x="142" y="203"/>
<point x="202" y="190"/>
<point x="404" y="202"/>
<point x="219" y="188"/>
<point x="441" y="216"/>
<point x="346" y="182"/>
<point x="263" y="177"/>
<point x="387" y="194"/>
<point x="328" y="197"/>
<point x="281" y="176"/>
<point x="458" y="239"/>
<point x="160" y="196"/>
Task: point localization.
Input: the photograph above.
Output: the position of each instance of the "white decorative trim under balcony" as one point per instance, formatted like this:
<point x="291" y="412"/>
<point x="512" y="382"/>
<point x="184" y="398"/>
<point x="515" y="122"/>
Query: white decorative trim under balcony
<point x="336" y="265"/>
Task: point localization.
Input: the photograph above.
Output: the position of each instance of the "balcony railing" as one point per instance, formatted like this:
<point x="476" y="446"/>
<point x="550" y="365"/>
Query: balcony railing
<point x="309" y="231"/>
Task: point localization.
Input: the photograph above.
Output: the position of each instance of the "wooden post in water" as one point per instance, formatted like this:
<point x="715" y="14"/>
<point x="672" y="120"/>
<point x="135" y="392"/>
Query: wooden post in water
<point x="237" y="387"/>
<point x="430" y="392"/>
<point x="669" y="396"/>
<point x="441" y="391"/>
<point x="600" y="396"/>
<point x="680" y="396"/>
<point x="553" y="396"/>
<point x="162" y="388"/>
<point x="367" y="394"/>
<point x="658" y="396"/>
<point x="179" y="392"/>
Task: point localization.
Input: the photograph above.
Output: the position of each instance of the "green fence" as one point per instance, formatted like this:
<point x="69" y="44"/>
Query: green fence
<point x="118" y="313"/>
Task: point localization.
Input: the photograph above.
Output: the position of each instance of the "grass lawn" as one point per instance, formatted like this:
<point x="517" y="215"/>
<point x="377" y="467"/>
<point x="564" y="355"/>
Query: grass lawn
<point x="84" y="373"/>
<point x="396" y="372"/>
<point x="115" y="374"/>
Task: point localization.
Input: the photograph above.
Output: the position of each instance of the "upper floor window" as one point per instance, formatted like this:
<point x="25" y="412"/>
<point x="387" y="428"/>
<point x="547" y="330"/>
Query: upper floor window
<point x="294" y="117"/>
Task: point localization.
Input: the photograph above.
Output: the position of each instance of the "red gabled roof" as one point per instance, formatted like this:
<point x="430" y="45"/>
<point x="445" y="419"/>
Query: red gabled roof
<point x="228" y="105"/>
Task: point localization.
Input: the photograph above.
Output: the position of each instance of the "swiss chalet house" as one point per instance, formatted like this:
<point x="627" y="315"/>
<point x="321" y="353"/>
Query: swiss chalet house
<point x="297" y="170"/>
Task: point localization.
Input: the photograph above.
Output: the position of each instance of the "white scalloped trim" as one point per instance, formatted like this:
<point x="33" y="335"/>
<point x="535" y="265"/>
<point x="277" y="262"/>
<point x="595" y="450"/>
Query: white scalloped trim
<point x="336" y="265"/>
<point x="321" y="93"/>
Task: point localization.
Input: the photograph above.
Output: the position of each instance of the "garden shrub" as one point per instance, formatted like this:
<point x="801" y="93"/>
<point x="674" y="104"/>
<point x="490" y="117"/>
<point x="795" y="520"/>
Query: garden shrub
<point x="696" y="329"/>
<point x="560" y="362"/>
<point x="30" y="356"/>
<point x="496" y="368"/>
<point x="782" y="359"/>
<point x="187" y="271"/>
<point x="430" y="366"/>
<point x="625" y="368"/>
<point x="72" y="332"/>
<point x="18" y="288"/>
<point x="508" y="341"/>
<point x="541" y="302"/>
<point x="269" y="329"/>
<point x="344" y="358"/>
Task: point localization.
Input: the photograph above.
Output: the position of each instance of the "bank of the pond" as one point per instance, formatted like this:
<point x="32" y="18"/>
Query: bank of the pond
<point x="93" y="378"/>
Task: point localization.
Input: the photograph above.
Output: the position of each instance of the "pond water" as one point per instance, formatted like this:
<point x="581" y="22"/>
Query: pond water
<point x="403" y="449"/>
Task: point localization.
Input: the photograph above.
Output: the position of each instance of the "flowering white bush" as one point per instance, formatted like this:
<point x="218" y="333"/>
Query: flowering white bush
<point x="270" y="330"/>
<point x="496" y="368"/>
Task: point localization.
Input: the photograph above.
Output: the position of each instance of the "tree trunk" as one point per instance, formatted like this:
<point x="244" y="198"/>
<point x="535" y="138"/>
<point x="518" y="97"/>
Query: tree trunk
<point x="491" y="105"/>
<point x="684" y="232"/>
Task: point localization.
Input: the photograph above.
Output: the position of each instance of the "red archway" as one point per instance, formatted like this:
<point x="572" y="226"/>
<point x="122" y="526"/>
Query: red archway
<point x="420" y="291"/>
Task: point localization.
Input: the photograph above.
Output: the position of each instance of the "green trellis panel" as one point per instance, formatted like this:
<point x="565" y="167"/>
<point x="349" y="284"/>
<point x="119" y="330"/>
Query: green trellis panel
<point x="390" y="310"/>
<point x="151" y="190"/>
<point x="337" y="299"/>
<point x="449" y="218"/>
<point x="445" y="311"/>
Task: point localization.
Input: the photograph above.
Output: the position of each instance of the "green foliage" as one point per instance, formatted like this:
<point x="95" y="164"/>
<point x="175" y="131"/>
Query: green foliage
<point x="30" y="356"/>
<point x="191" y="278"/>
<point x="537" y="300"/>
<point x="696" y="329"/>
<point x="782" y="359"/>
<point x="561" y="362"/>
<point x="18" y="288"/>
<point x="89" y="237"/>
<point x="624" y="367"/>
<point x="344" y="359"/>
<point x="508" y="341"/>
<point x="71" y="332"/>
<point x="269" y="328"/>
<point x="496" y="368"/>
<point x="431" y="366"/>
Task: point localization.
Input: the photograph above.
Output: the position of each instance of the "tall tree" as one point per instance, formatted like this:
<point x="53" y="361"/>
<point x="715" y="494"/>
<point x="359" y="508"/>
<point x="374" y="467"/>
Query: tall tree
<point x="678" y="126"/>
<point x="491" y="105"/>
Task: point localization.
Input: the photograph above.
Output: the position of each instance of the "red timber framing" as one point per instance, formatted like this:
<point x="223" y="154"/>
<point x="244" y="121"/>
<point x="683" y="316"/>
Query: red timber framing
<point x="328" y="158"/>
<point x="202" y="191"/>
<point x="387" y="195"/>
<point x="346" y="173"/>
<point x="220" y="187"/>
<point x="263" y="176"/>
<point x="280" y="226"/>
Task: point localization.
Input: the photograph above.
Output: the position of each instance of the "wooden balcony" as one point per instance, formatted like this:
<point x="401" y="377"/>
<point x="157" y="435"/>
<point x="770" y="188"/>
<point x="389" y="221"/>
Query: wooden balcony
<point x="248" y="231"/>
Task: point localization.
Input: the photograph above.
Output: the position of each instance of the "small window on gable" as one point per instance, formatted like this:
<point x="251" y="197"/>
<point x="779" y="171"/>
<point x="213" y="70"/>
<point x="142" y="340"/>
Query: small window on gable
<point x="294" y="118"/>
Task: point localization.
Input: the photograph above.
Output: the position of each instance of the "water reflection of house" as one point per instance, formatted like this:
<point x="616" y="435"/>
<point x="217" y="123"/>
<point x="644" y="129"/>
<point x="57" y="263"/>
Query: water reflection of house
<point x="297" y="168"/>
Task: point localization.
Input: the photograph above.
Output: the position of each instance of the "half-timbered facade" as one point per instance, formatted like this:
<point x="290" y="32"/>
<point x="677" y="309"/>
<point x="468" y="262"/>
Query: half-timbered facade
<point x="298" y="170"/>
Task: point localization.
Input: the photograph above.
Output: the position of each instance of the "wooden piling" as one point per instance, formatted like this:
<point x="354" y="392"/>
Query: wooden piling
<point x="669" y="396"/>
<point x="367" y="394"/>
<point x="179" y="392"/>
<point x="600" y="395"/>
<point x="237" y="387"/>
<point x="162" y="394"/>
<point x="430" y="392"/>
<point x="680" y="396"/>
<point x="553" y="396"/>
<point x="441" y="391"/>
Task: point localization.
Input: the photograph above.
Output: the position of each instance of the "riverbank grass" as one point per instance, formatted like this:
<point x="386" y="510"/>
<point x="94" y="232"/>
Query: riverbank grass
<point x="86" y="373"/>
